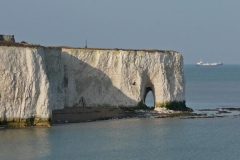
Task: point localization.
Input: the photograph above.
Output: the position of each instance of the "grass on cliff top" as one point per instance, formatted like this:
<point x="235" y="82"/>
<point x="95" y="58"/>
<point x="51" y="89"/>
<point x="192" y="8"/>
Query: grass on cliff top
<point x="120" y="49"/>
<point x="13" y="44"/>
<point x="24" y="44"/>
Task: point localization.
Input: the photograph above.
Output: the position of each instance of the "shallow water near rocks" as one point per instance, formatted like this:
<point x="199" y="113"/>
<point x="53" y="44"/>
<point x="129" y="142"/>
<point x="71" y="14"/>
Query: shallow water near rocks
<point x="144" y="138"/>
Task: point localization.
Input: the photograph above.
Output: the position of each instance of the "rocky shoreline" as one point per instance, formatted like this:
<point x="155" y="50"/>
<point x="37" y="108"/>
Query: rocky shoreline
<point x="90" y="114"/>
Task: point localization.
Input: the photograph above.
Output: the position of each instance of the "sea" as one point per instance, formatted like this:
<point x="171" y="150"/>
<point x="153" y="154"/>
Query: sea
<point x="144" y="138"/>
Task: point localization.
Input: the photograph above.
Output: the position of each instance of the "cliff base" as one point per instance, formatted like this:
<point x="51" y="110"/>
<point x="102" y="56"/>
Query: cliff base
<point x="88" y="114"/>
<point x="24" y="123"/>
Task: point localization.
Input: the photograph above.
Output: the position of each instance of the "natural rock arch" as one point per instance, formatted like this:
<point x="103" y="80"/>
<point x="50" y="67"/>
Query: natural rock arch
<point x="147" y="89"/>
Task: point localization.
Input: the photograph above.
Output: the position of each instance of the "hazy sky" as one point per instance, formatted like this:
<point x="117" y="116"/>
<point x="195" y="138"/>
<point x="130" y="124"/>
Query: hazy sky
<point x="207" y="29"/>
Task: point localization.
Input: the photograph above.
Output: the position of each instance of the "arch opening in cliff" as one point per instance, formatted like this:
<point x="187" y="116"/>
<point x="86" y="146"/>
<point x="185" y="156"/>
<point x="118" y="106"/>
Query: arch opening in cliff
<point x="149" y="94"/>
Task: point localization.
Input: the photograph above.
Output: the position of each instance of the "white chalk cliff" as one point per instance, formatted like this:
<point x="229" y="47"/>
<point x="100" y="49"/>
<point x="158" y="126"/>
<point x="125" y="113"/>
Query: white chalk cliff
<point x="35" y="81"/>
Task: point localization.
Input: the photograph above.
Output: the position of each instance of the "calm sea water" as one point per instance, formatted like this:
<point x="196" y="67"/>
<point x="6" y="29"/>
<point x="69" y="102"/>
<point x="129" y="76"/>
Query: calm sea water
<point x="140" y="139"/>
<point x="212" y="87"/>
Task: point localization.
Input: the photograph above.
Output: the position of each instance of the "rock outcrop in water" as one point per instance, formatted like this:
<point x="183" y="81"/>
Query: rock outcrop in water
<point x="36" y="80"/>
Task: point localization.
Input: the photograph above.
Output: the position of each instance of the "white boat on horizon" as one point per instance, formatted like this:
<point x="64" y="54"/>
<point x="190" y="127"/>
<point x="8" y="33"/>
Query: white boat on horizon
<point x="200" y="63"/>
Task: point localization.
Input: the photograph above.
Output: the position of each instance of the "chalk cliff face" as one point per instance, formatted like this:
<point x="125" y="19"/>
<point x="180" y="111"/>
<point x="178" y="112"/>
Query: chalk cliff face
<point x="35" y="81"/>
<point x="31" y="82"/>
<point x="121" y="77"/>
